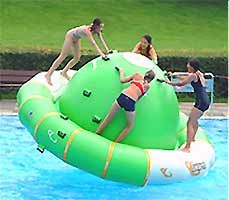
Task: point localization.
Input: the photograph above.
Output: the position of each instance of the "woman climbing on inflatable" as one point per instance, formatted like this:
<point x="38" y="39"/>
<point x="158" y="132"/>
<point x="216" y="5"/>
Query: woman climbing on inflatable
<point x="127" y="99"/>
<point x="73" y="39"/>
<point x="145" y="48"/>
<point x="197" y="80"/>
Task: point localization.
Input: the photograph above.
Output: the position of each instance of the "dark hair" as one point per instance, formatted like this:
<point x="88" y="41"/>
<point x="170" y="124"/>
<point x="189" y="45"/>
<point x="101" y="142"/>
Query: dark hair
<point x="96" y="22"/>
<point x="194" y="63"/>
<point x="149" y="76"/>
<point x="148" y="38"/>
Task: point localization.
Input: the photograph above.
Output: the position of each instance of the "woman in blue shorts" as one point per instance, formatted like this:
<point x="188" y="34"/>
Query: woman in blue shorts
<point x="127" y="99"/>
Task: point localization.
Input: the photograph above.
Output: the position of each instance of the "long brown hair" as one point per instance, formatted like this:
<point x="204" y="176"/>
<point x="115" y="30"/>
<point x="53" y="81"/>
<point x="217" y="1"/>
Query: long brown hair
<point x="96" y="22"/>
<point x="148" y="38"/>
<point x="149" y="76"/>
<point x="194" y="63"/>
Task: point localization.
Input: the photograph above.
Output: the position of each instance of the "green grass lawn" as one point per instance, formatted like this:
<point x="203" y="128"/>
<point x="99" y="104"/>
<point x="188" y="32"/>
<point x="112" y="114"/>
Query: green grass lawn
<point x="178" y="28"/>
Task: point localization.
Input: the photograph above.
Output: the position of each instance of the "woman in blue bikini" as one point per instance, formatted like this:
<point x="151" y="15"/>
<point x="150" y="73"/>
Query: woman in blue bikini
<point x="197" y="80"/>
<point x="127" y="99"/>
<point x="73" y="39"/>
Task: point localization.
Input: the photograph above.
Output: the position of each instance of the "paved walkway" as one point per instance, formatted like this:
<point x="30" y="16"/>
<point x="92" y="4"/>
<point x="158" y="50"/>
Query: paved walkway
<point x="217" y="110"/>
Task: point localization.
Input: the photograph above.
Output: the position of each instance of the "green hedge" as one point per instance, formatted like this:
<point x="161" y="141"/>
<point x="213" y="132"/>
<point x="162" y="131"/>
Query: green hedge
<point x="35" y="61"/>
<point x="42" y="61"/>
<point x="215" y="65"/>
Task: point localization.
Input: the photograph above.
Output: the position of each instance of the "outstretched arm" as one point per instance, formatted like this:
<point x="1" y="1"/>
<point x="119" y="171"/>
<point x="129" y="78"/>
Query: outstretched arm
<point x="180" y="77"/>
<point x="103" y="42"/>
<point x="183" y="82"/>
<point x="124" y="79"/>
<point x="176" y="76"/>
<point x="92" y="41"/>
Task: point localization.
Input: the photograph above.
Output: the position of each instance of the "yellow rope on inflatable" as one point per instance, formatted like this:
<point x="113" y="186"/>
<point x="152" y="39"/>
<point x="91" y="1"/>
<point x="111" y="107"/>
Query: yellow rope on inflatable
<point x="68" y="143"/>
<point x="110" y="151"/>
<point x="42" y="119"/>
<point x="148" y="167"/>
<point x="31" y="97"/>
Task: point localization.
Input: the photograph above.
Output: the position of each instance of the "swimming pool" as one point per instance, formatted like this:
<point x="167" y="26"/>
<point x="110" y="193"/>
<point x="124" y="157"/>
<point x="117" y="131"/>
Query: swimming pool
<point x="27" y="174"/>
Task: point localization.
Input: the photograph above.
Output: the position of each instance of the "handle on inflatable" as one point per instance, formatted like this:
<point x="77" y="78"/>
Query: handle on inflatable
<point x="160" y="80"/>
<point x="40" y="148"/>
<point x="61" y="134"/>
<point x="96" y="119"/>
<point x="64" y="117"/>
<point x="105" y="58"/>
<point x="117" y="68"/>
<point x="87" y="93"/>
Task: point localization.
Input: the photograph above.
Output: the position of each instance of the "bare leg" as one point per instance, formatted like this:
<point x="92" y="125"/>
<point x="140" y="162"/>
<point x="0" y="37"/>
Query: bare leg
<point x="190" y="135"/>
<point x="72" y="62"/>
<point x="129" y="126"/>
<point x="195" y="127"/>
<point x="114" y="109"/>
<point x="64" y="52"/>
<point x="191" y="127"/>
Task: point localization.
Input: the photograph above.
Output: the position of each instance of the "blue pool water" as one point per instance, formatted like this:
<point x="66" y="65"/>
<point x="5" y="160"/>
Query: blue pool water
<point x="27" y="174"/>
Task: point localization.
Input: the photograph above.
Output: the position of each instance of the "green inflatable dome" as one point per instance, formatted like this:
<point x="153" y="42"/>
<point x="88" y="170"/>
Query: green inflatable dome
<point x="62" y="118"/>
<point x="100" y="79"/>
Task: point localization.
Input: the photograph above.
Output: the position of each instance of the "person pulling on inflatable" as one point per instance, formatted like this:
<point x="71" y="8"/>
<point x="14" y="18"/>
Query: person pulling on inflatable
<point x="202" y="102"/>
<point x="73" y="39"/>
<point x="145" y="48"/>
<point x="127" y="99"/>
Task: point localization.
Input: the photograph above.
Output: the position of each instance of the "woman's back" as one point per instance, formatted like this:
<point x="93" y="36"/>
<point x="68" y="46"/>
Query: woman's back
<point x="136" y="88"/>
<point x="79" y="32"/>
<point x="199" y="89"/>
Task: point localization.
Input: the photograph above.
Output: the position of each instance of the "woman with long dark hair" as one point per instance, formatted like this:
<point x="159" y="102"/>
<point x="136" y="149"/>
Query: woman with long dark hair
<point x="73" y="39"/>
<point x="145" y="48"/>
<point x="197" y="80"/>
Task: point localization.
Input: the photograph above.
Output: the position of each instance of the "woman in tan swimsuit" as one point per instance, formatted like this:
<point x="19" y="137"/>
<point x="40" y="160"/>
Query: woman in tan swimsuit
<point x="73" y="39"/>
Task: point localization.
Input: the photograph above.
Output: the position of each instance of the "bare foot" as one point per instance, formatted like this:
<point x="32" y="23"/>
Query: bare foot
<point x="48" y="79"/>
<point x="186" y="149"/>
<point x="98" y="133"/>
<point x="65" y="75"/>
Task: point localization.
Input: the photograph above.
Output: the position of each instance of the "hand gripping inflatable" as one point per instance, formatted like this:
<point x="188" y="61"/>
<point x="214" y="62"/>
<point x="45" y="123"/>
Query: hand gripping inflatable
<point x="63" y="118"/>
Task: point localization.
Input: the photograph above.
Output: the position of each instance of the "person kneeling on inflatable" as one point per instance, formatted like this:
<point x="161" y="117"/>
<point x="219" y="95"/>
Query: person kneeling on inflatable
<point x="127" y="99"/>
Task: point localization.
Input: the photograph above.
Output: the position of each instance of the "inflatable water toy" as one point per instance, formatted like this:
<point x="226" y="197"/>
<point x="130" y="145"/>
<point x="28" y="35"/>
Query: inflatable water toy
<point x="63" y="118"/>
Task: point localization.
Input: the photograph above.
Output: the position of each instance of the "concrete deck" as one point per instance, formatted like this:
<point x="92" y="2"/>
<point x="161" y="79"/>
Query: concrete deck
<point x="217" y="110"/>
